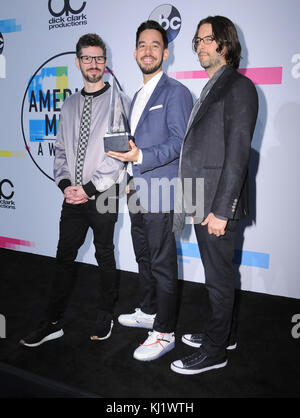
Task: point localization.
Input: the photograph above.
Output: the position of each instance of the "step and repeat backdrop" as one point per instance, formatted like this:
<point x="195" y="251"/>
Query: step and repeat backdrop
<point x="37" y="72"/>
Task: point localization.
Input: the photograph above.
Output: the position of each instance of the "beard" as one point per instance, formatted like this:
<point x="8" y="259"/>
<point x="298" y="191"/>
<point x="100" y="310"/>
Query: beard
<point x="92" y="78"/>
<point x="146" y="69"/>
<point x="209" y="62"/>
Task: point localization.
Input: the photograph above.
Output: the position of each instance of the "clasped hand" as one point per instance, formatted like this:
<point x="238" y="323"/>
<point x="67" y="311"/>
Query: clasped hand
<point x="75" y="195"/>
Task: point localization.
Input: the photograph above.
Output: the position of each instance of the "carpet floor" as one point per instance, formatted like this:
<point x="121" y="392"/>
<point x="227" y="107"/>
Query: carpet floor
<point x="266" y="362"/>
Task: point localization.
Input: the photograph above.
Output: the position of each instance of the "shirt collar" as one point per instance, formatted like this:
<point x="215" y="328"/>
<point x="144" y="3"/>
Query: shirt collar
<point x="97" y="93"/>
<point x="206" y="89"/>
<point x="152" y="83"/>
<point x="219" y="72"/>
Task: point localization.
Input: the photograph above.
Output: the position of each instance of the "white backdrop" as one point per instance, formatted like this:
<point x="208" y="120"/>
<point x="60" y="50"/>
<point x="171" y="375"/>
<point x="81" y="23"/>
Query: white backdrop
<point x="37" y="41"/>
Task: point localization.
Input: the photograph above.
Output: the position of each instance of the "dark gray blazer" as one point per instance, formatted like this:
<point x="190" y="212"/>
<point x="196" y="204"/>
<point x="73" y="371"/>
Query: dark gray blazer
<point x="217" y="144"/>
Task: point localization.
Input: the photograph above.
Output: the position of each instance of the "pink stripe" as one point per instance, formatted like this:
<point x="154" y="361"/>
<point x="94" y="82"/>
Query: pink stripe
<point x="181" y="75"/>
<point x="267" y="75"/>
<point x="14" y="243"/>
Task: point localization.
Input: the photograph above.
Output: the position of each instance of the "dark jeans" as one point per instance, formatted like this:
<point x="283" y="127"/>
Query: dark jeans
<point x="217" y="255"/>
<point x="156" y="255"/>
<point x="74" y="223"/>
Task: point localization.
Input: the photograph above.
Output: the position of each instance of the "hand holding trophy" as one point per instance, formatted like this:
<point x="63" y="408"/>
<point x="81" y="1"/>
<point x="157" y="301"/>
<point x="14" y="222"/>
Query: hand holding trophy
<point x="118" y="131"/>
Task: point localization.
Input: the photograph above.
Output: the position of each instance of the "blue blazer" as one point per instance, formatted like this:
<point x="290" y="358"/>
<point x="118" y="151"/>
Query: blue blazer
<point x="159" y="134"/>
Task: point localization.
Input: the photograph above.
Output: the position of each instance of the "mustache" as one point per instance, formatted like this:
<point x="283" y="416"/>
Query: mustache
<point x="149" y="56"/>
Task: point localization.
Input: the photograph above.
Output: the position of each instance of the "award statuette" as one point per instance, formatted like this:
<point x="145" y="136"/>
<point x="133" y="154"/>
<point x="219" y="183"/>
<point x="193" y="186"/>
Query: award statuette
<point x="117" y="136"/>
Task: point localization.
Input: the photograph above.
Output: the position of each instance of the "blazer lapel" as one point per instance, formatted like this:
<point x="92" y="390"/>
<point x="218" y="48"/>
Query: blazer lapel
<point x="212" y="96"/>
<point x="131" y="105"/>
<point x="152" y="99"/>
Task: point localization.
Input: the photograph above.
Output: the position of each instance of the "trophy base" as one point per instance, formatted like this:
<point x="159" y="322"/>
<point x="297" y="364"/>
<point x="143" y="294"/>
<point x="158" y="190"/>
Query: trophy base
<point x="117" y="142"/>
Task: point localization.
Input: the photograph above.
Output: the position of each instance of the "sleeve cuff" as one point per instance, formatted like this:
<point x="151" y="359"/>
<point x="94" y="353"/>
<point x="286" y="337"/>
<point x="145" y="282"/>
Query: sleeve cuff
<point x="221" y="217"/>
<point x="64" y="184"/>
<point x="140" y="158"/>
<point x="89" y="189"/>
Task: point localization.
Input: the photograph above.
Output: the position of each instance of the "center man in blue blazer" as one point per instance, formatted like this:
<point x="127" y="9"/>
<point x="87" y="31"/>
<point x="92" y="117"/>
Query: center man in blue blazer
<point x="158" y="117"/>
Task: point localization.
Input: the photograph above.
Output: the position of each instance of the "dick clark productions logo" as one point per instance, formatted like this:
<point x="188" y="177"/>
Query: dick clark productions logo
<point x="6" y="194"/>
<point x="66" y="14"/>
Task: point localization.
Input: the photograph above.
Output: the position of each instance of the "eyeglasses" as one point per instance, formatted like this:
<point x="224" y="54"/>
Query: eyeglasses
<point x="207" y="40"/>
<point x="87" y="59"/>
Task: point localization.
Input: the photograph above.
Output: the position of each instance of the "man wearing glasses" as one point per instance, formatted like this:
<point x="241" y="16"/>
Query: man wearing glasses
<point x="216" y="148"/>
<point x="82" y="171"/>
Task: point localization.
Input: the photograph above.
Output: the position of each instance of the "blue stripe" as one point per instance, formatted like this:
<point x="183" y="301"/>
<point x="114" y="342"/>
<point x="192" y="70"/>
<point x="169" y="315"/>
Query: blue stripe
<point x="252" y="258"/>
<point x="37" y="130"/>
<point x="36" y="85"/>
<point x="183" y="260"/>
<point x="245" y="258"/>
<point x="9" y="25"/>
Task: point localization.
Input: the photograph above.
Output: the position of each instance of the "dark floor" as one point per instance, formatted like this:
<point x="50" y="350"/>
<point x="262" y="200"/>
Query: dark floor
<point x="265" y="364"/>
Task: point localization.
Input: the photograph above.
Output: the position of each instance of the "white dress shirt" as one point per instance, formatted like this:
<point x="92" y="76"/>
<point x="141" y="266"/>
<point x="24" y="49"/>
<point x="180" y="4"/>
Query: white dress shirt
<point x="139" y="105"/>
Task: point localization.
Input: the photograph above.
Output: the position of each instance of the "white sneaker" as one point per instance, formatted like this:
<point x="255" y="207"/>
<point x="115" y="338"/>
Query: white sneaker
<point x="155" y="346"/>
<point x="137" y="319"/>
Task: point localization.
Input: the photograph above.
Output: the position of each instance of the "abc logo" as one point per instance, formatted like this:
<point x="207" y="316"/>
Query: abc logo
<point x="169" y="18"/>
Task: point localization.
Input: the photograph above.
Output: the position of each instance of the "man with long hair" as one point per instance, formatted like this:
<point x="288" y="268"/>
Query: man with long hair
<point x="216" y="148"/>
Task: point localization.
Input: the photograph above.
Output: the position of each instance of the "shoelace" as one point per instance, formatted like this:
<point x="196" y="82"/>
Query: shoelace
<point x="158" y="340"/>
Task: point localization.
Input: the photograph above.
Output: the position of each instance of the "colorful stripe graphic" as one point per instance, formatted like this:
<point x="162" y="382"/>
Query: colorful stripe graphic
<point x="268" y="75"/>
<point x="9" y="25"/>
<point x="245" y="258"/>
<point x="264" y="75"/>
<point x="14" y="243"/>
<point x="37" y="127"/>
<point x="16" y="154"/>
<point x="252" y="258"/>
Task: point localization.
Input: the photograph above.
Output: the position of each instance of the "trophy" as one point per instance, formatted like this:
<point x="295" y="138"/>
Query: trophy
<point x="117" y="136"/>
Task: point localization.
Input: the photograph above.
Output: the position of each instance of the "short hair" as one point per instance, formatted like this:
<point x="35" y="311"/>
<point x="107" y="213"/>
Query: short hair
<point x="152" y="24"/>
<point x="90" y="39"/>
<point x="225" y="34"/>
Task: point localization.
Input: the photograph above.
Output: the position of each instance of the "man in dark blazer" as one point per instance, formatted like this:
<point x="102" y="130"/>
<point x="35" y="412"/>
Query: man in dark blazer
<point x="216" y="148"/>
<point x="158" y="116"/>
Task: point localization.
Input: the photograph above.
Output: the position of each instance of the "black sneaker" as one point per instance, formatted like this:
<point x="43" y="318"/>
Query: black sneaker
<point x="195" y="340"/>
<point x="103" y="330"/>
<point x="46" y="332"/>
<point x="198" y="362"/>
